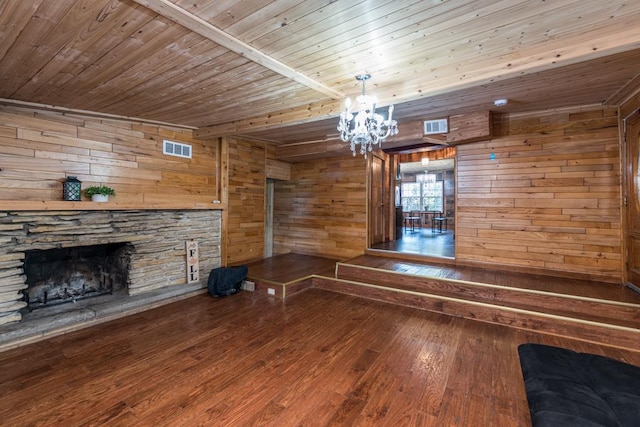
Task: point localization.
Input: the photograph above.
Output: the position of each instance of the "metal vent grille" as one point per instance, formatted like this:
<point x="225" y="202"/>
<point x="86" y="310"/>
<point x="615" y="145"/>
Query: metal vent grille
<point x="435" y="126"/>
<point x="178" y="149"/>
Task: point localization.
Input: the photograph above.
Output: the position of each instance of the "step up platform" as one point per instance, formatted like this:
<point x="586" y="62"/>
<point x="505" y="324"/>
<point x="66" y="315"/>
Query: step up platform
<point x="600" y="312"/>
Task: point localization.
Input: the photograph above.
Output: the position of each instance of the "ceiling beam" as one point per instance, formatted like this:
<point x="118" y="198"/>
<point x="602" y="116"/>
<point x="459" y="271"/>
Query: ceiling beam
<point x="625" y="92"/>
<point x="192" y="22"/>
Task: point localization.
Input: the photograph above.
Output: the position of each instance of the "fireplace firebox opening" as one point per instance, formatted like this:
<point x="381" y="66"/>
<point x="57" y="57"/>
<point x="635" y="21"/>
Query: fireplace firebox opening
<point x="56" y="276"/>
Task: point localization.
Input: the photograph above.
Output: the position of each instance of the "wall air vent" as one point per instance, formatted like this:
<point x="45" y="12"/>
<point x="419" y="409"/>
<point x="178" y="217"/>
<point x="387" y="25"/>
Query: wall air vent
<point x="435" y="126"/>
<point x="178" y="149"/>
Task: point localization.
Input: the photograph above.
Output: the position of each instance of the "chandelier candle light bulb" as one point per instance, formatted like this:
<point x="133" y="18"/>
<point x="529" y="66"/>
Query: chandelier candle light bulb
<point x="366" y="128"/>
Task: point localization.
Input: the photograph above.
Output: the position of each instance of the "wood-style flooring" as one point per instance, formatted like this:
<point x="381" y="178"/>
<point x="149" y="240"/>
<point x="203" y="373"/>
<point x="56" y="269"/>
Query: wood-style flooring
<point x="316" y="359"/>
<point x="290" y="267"/>
<point x="514" y="279"/>
<point x="422" y="241"/>
<point x="598" y="312"/>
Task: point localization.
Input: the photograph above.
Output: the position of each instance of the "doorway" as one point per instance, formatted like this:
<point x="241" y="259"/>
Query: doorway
<point x="377" y="218"/>
<point x="268" y="217"/>
<point x="631" y="190"/>
<point x="425" y="199"/>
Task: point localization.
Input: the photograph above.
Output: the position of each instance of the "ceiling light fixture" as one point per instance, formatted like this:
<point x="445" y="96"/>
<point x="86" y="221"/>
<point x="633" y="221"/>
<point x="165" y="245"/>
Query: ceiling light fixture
<point x="366" y="128"/>
<point x="500" y="102"/>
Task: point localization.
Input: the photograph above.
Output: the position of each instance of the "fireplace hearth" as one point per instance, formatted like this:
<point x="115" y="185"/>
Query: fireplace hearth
<point x="64" y="275"/>
<point x="148" y="244"/>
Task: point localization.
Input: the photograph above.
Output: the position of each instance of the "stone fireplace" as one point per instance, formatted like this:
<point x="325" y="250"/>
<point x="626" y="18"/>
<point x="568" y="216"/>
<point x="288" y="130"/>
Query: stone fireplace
<point x="64" y="275"/>
<point x="149" y="243"/>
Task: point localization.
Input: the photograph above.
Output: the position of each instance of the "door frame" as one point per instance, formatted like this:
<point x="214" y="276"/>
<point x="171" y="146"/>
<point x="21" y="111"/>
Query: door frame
<point x="372" y="211"/>
<point x="269" y="199"/>
<point x="629" y="163"/>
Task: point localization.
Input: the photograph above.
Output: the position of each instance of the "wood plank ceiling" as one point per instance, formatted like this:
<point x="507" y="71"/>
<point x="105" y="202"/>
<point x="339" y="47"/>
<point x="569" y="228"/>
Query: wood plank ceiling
<point x="277" y="70"/>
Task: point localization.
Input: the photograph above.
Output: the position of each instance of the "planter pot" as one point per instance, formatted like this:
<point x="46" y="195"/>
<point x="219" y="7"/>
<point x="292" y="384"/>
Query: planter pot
<point x="100" y="198"/>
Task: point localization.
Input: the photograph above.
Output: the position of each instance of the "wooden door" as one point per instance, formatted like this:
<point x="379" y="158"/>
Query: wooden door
<point x="376" y="201"/>
<point x="632" y="197"/>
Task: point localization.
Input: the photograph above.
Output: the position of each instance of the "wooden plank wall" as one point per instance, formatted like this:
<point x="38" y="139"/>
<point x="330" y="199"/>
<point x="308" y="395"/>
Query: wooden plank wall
<point x="39" y="148"/>
<point x="544" y="193"/>
<point x="322" y="209"/>
<point x="246" y="200"/>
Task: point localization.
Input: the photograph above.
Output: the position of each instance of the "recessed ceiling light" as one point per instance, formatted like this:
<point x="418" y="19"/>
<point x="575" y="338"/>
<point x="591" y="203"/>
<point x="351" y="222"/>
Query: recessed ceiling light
<point x="500" y="102"/>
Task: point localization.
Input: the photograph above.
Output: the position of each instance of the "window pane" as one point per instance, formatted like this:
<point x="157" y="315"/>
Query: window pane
<point x="425" y="196"/>
<point x="433" y="196"/>
<point x="411" y="196"/>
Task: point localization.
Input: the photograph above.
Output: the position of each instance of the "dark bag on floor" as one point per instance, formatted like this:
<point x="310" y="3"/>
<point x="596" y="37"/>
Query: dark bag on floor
<point x="225" y="281"/>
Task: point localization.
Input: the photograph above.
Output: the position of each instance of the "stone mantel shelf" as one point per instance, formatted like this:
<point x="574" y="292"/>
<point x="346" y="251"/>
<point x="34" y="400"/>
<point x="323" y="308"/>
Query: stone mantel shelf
<point x="61" y="205"/>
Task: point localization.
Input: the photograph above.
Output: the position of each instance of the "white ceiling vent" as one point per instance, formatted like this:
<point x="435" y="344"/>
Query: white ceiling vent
<point x="435" y="126"/>
<point x="178" y="149"/>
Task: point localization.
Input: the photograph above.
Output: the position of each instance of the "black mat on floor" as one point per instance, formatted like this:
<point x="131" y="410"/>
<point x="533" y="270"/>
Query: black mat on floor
<point x="566" y="388"/>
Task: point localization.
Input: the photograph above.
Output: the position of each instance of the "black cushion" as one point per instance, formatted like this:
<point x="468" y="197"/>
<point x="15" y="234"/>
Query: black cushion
<point x="225" y="281"/>
<point x="567" y="388"/>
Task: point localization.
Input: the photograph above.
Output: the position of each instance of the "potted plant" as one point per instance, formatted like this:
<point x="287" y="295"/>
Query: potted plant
<point x="99" y="193"/>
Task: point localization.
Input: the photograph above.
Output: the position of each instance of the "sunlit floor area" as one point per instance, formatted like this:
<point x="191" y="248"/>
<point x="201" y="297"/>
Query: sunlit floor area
<point x="422" y="240"/>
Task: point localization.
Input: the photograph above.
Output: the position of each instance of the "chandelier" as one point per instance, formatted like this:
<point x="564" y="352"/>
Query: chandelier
<point x="366" y="128"/>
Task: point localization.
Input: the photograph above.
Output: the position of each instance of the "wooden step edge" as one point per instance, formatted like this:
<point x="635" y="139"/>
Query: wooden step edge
<point x="528" y="320"/>
<point x="614" y="312"/>
<point x="412" y="257"/>
<point x="282" y="290"/>
<point x="300" y="284"/>
<point x="491" y="286"/>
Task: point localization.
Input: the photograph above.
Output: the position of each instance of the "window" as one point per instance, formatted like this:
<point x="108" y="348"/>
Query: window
<point x="411" y="196"/>
<point x="433" y="196"/>
<point x="423" y="196"/>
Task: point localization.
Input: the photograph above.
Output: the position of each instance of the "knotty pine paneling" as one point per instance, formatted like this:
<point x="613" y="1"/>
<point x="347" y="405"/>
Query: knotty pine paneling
<point x="247" y="178"/>
<point x="322" y="209"/>
<point x="38" y="149"/>
<point x="145" y="59"/>
<point x="544" y="193"/>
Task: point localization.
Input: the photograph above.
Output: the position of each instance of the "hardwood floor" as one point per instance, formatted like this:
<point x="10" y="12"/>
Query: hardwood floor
<point x="600" y="312"/>
<point x="422" y="241"/>
<point x="515" y="279"/>
<point x="290" y="267"/>
<point x="317" y="359"/>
